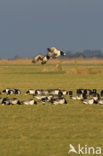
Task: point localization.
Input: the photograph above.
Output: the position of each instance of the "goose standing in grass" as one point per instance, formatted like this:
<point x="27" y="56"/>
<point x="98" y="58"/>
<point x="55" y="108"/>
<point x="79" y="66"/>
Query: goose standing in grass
<point x="53" y="53"/>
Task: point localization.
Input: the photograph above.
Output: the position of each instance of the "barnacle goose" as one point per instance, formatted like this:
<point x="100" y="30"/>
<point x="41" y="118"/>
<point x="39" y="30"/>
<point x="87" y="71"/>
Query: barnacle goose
<point x="29" y="102"/>
<point x="10" y="101"/>
<point x="52" y="54"/>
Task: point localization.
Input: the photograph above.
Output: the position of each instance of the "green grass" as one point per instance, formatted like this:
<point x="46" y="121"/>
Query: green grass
<point x="47" y="130"/>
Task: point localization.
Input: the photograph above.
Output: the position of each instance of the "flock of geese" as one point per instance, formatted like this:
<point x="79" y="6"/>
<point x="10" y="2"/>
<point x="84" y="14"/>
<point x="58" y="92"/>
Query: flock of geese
<point x="53" y="53"/>
<point x="53" y="96"/>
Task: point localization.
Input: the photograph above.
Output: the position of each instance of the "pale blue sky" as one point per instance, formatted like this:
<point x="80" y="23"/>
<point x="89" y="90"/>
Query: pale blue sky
<point x="28" y="27"/>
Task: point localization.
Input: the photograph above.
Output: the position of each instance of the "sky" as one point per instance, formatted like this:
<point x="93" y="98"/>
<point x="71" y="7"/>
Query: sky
<point x="29" y="27"/>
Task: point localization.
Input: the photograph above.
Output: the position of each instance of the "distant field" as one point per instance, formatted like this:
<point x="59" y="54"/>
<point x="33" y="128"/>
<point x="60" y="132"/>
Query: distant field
<point x="82" y="61"/>
<point x="47" y="130"/>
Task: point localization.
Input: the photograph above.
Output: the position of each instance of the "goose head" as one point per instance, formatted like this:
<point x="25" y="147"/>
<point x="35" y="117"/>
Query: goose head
<point x="62" y="53"/>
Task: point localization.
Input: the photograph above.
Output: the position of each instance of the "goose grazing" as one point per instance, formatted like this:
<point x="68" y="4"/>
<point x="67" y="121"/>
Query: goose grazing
<point x="49" y="98"/>
<point x="10" y="91"/>
<point x="29" y="102"/>
<point x="10" y="101"/>
<point x="80" y="94"/>
<point x="17" y="91"/>
<point x="58" y="101"/>
<point x="39" y="92"/>
<point x="13" y="91"/>
<point x="55" y="92"/>
<point x="39" y="97"/>
<point x="92" y="98"/>
<point x="6" y="90"/>
<point x="31" y="92"/>
<point x="43" y="98"/>
<point x="88" y="101"/>
<point x="84" y="91"/>
<point x="14" y="101"/>
<point x="95" y="95"/>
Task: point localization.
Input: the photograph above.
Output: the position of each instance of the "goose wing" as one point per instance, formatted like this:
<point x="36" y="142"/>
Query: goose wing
<point x="37" y="58"/>
<point x="51" y="55"/>
<point x="51" y="49"/>
<point x="44" y="60"/>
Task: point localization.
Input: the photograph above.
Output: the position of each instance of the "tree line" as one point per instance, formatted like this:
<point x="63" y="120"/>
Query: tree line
<point x="85" y="54"/>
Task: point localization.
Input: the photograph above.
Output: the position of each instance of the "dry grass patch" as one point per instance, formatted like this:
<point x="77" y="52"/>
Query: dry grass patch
<point x="84" y="70"/>
<point x="80" y="61"/>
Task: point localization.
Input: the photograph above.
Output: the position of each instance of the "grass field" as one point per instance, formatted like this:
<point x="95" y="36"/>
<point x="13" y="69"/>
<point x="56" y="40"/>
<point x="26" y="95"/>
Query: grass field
<point x="47" y="130"/>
